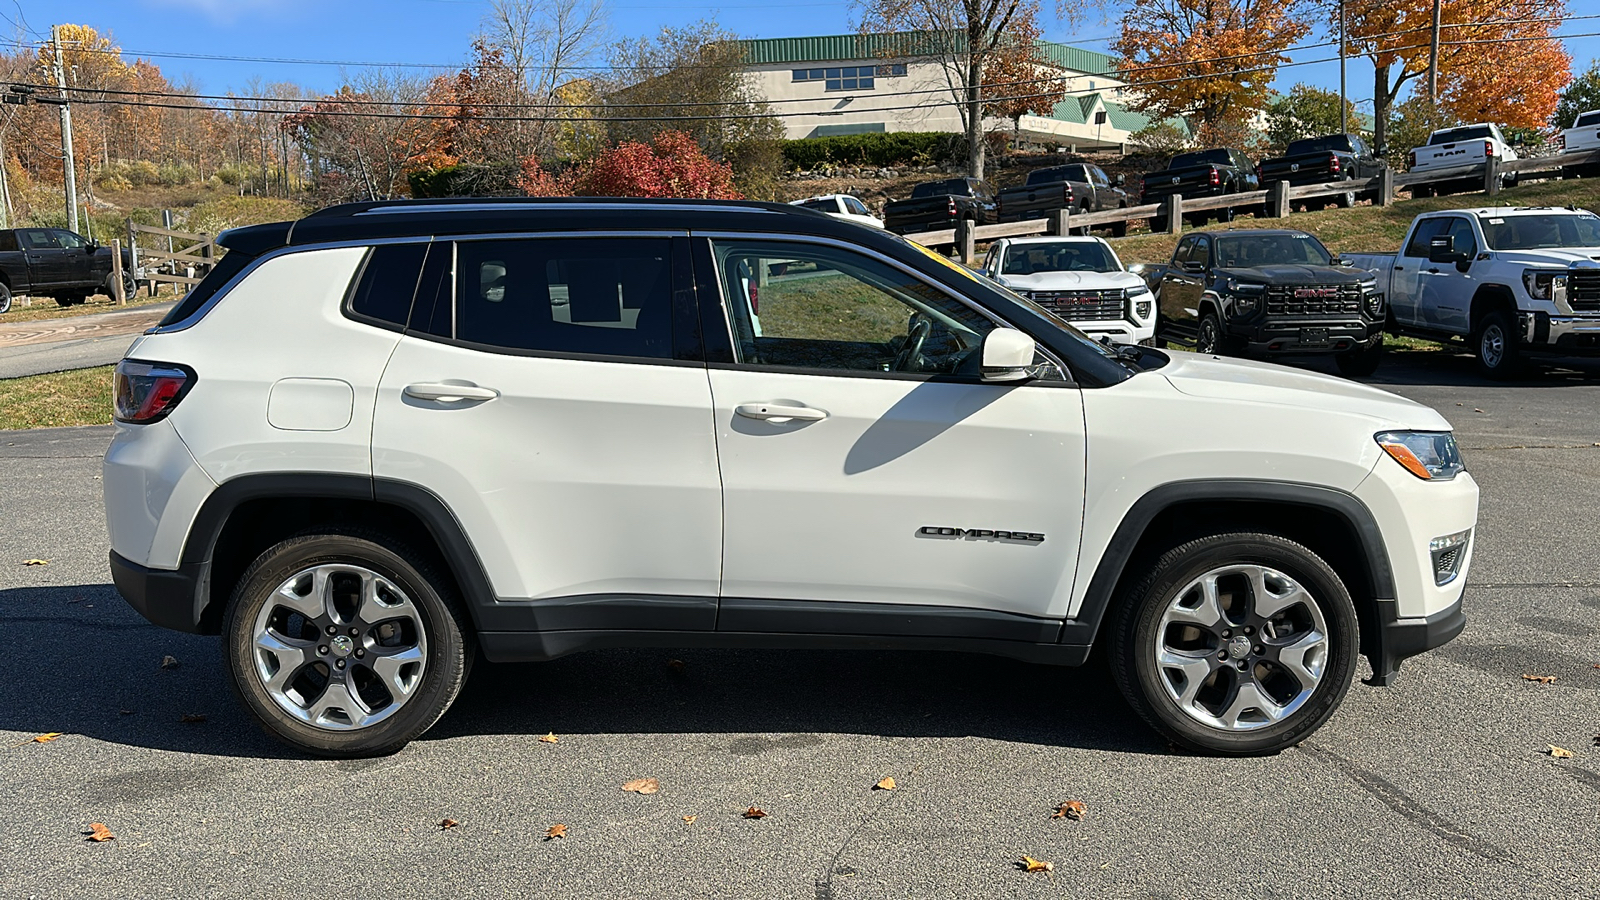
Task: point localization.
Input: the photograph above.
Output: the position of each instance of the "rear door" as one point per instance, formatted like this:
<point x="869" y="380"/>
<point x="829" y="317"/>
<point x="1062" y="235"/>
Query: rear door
<point x="550" y="392"/>
<point x="873" y="483"/>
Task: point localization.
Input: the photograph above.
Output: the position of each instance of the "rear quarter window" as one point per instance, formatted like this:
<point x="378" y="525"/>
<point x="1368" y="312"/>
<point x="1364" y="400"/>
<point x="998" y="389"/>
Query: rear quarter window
<point x="382" y="293"/>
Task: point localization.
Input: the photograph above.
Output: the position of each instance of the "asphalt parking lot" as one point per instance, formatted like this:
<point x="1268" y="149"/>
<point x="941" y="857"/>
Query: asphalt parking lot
<point x="1440" y="786"/>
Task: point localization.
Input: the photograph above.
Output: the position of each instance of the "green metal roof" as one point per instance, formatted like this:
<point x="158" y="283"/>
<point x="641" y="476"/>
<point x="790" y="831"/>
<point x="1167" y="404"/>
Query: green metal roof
<point x="1080" y="110"/>
<point x="840" y="47"/>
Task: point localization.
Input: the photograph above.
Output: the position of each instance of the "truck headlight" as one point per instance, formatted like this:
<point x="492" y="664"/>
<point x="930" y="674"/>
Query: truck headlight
<point x="1544" y="284"/>
<point x="1429" y="455"/>
<point x="1142" y="301"/>
<point x="1373" y="303"/>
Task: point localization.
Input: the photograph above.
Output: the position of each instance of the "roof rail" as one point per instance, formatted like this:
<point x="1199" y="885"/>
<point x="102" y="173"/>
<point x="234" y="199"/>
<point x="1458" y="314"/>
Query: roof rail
<point x="478" y="204"/>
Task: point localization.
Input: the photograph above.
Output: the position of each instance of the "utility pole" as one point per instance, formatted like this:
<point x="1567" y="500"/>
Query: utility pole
<point x="66" y="133"/>
<point x="1344" y="105"/>
<point x="1433" y="58"/>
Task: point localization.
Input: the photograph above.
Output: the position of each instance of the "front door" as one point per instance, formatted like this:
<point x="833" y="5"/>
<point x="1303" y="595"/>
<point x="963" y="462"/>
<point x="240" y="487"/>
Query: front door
<point x="545" y="392"/>
<point x="1447" y="288"/>
<point x="1181" y="290"/>
<point x="47" y="260"/>
<point x="867" y="468"/>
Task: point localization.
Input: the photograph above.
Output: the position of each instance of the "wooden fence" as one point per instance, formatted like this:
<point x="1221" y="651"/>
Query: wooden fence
<point x="175" y="265"/>
<point x="1276" y="202"/>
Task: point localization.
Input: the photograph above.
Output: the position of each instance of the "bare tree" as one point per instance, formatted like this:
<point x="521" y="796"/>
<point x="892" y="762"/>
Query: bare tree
<point x="542" y="42"/>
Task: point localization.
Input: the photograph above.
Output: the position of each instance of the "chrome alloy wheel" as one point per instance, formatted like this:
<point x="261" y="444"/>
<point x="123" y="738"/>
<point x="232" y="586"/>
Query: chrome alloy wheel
<point x="1492" y="345"/>
<point x="339" y="647"/>
<point x="1241" y="647"/>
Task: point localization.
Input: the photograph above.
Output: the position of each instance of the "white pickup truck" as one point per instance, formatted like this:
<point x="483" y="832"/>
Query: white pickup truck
<point x="1079" y="279"/>
<point x="1582" y="137"/>
<point x="1454" y="158"/>
<point x="1510" y="282"/>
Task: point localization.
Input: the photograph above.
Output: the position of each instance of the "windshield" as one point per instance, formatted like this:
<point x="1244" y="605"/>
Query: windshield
<point x="1284" y="249"/>
<point x="1542" y="232"/>
<point x="940" y="188"/>
<point x="1588" y="118"/>
<point x="1200" y="158"/>
<point x="821" y="205"/>
<point x="1480" y="132"/>
<point x="1059" y="256"/>
<point x="1319" y="145"/>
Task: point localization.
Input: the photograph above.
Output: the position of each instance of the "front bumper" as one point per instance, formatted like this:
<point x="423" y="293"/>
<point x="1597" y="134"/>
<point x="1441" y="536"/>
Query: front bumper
<point x="1573" y="335"/>
<point x="171" y="599"/>
<point x="1121" y="332"/>
<point x="1291" y="337"/>
<point x="1400" y="639"/>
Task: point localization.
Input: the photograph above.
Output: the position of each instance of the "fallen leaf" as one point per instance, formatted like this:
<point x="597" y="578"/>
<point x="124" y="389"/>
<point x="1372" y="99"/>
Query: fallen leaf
<point x="36" y="562"/>
<point x="675" y="665"/>
<point x="99" y="833"/>
<point x="1542" y="679"/>
<point x="1029" y="864"/>
<point x="887" y="784"/>
<point x="47" y="738"/>
<point x="170" y="662"/>
<point x="549" y="738"/>
<point x="755" y="812"/>
<point x="192" y="718"/>
<point x="447" y="824"/>
<point x="557" y="830"/>
<point x="1477" y="410"/>
<point x="1560" y="753"/>
<point x="690" y="820"/>
<point x="1072" y="809"/>
<point x="643" y="786"/>
<point x="126" y="712"/>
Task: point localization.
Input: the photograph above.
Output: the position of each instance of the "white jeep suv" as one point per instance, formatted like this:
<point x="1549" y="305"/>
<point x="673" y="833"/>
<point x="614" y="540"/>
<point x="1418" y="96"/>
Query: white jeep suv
<point x="388" y="437"/>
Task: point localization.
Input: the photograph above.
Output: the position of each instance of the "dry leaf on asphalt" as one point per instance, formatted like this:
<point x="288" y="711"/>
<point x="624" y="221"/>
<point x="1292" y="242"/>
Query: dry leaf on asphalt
<point x="169" y="662"/>
<point x="1542" y="679"/>
<point x="755" y="812"/>
<point x="447" y="824"/>
<point x="192" y="718"/>
<point x="1560" y="753"/>
<point x="549" y="738"/>
<point x="47" y="738"/>
<point x="1072" y="809"/>
<point x="36" y="562"/>
<point x="557" y="830"/>
<point x="643" y="786"/>
<point x="99" y="833"/>
<point x="675" y="665"/>
<point x="690" y="820"/>
<point x="1029" y="864"/>
<point x="887" y="784"/>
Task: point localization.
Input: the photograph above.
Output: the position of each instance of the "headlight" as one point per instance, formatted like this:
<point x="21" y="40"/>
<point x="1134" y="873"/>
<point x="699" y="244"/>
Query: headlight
<point x="1545" y="284"/>
<point x="1373" y="303"/>
<point x="1429" y="455"/>
<point x="1142" y="302"/>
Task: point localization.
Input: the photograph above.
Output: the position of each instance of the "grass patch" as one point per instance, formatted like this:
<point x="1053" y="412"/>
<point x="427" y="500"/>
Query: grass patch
<point x="46" y="308"/>
<point x="81" y="397"/>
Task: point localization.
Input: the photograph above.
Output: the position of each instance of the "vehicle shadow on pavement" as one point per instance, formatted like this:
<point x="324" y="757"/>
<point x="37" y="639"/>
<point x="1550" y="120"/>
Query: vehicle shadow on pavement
<point x="1445" y="369"/>
<point x="95" y="668"/>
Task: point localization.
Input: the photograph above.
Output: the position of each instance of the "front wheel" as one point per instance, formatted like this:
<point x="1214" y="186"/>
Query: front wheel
<point x="1209" y="337"/>
<point x="1362" y="361"/>
<point x="1495" y="346"/>
<point x="1236" y="644"/>
<point x="5" y="299"/>
<point x="344" y="644"/>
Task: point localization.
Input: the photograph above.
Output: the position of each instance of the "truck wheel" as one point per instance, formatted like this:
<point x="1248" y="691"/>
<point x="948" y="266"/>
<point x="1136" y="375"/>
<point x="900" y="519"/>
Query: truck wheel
<point x="1158" y="225"/>
<point x="1120" y="229"/>
<point x="1236" y="644"/>
<point x="1209" y="338"/>
<point x="345" y="644"/>
<point x="1348" y="198"/>
<point x="5" y="299"/>
<point x="1421" y="190"/>
<point x="1495" y="346"/>
<point x="1361" y="362"/>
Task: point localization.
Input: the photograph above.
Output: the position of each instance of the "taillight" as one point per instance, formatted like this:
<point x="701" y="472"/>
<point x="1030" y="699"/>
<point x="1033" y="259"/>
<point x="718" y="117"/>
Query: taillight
<point x="1066" y="194"/>
<point x="1411" y="160"/>
<point x="1333" y="164"/>
<point x="950" y="205"/>
<point x="755" y="300"/>
<point x="1561" y="141"/>
<point x="1488" y="148"/>
<point x="1216" y="177"/>
<point x="145" y="392"/>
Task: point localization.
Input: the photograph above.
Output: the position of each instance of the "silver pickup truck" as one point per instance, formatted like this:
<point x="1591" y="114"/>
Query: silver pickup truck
<point x="1510" y="282"/>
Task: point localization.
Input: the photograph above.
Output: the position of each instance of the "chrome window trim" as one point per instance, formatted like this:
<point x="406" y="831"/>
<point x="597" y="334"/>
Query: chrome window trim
<point x="727" y="321"/>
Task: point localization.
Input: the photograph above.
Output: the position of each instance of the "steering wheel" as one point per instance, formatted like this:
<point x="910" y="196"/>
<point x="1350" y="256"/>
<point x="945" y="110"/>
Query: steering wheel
<point x="921" y="327"/>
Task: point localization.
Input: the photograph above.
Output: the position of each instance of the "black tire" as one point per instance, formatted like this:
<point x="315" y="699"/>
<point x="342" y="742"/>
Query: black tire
<point x="1135" y="639"/>
<point x="1209" y="337"/>
<point x="65" y="302"/>
<point x="1496" y="346"/>
<point x="5" y="298"/>
<point x="1361" y="362"/>
<point x="129" y="286"/>
<point x="1421" y="190"/>
<point x="1158" y="225"/>
<point x="1120" y="229"/>
<point x="1227" y="214"/>
<point x="445" y="646"/>
<point x="1347" y="199"/>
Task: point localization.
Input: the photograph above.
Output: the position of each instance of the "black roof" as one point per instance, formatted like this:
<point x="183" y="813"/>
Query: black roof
<point x="1248" y="232"/>
<point x="490" y="215"/>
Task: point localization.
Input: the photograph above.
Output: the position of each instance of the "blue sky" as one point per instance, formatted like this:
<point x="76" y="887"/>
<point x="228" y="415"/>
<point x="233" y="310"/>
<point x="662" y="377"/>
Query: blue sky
<point x="441" y="31"/>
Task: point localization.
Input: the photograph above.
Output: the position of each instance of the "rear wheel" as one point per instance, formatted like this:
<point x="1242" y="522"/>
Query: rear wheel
<point x="344" y="644"/>
<point x="1348" y="198"/>
<point x="70" y="300"/>
<point x="1495" y="346"/>
<point x="1120" y="229"/>
<point x="5" y="299"/>
<point x="1236" y="644"/>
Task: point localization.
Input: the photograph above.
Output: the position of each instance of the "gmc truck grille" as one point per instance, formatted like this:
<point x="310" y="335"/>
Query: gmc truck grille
<point x="1313" y="299"/>
<point x="1084" y="306"/>
<point x="1583" y="290"/>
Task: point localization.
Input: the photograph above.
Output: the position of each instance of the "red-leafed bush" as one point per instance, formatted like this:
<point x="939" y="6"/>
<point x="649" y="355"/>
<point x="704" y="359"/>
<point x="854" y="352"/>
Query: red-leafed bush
<point x="671" y="165"/>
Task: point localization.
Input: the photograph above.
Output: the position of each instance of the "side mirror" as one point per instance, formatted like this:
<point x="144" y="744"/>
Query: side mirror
<point x="1342" y="262"/>
<point x="1194" y="266"/>
<point x="1007" y="355"/>
<point x="1121" y="180"/>
<point x="1442" y="249"/>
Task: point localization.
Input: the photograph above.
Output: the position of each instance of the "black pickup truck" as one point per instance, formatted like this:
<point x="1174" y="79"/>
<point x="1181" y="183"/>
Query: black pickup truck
<point x="54" y="262"/>
<point x="936" y="205"/>
<point x="1321" y="160"/>
<point x="1201" y="173"/>
<point x="1080" y="187"/>
<point x="1273" y="292"/>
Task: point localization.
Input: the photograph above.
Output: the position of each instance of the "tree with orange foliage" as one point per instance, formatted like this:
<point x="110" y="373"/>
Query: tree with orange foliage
<point x="1209" y="61"/>
<point x="1020" y="81"/>
<point x="1498" y="59"/>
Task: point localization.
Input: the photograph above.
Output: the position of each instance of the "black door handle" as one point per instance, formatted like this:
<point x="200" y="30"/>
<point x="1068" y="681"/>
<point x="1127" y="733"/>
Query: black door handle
<point x="1399" y="268"/>
<point x="1432" y="271"/>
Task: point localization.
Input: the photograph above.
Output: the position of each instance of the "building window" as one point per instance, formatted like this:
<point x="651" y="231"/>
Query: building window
<point x="847" y="78"/>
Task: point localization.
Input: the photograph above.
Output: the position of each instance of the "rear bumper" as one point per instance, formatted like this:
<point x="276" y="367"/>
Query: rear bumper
<point x="1402" y="639"/>
<point x="165" y="597"/>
